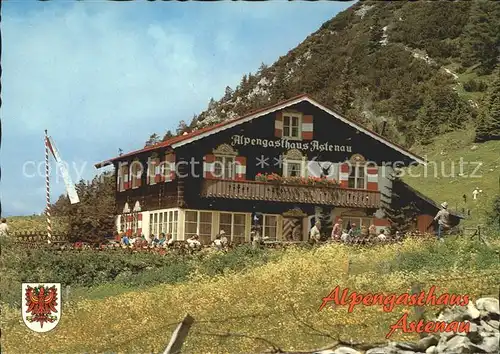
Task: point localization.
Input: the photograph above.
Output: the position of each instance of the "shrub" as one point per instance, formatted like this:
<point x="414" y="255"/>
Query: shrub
<point x="90" y="268"/>
<point x="475" y="86"/>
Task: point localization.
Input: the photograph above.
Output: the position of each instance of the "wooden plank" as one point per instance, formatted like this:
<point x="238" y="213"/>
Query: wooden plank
<point x="179" y="335"/>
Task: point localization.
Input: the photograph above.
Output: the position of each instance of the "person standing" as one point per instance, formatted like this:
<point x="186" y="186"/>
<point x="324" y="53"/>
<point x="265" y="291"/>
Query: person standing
<point x="4" y="228"/>
<point x="315" y="234"/>
<point x="443" y="219"/>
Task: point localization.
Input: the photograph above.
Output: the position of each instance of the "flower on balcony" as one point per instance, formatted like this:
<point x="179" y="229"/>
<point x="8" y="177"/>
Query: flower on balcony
<point x="311" y="181"/>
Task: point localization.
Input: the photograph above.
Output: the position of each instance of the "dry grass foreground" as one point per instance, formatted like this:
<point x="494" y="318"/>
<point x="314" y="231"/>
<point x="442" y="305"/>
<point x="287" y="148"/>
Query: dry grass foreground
<point x="277" y="301"/>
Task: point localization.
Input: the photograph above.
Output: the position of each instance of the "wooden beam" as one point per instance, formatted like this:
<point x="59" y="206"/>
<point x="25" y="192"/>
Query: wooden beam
<point x="179" y="335"/>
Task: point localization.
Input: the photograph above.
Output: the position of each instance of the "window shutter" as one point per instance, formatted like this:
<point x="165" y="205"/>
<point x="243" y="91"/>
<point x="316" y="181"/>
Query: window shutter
<point x="278" y="125"/>
<point x="372" y="178"/>
<point x="129" y="225"/>
<point x="157" y="170"/>
<point x="148" y="171"/>
<point x="307" y="127"/>
<point x="170" y="163"/>
<point x="139" y="224"/>
<point x="163" y="169"/>
<point x="119" y="177"/>
<point x="241" y="167"/>
<point x="344" y="175"/>
<point x="208" y="166"/>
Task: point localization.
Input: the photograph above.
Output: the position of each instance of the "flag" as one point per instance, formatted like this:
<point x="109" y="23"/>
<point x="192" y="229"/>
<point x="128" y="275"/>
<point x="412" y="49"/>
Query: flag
<point x="70" y="187"/>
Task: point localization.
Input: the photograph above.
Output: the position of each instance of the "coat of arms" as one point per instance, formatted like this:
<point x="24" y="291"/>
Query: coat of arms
<point x="41" y="306"/>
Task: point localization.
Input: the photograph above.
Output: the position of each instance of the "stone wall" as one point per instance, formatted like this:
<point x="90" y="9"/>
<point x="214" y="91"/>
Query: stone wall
<point x="483" y="337"/>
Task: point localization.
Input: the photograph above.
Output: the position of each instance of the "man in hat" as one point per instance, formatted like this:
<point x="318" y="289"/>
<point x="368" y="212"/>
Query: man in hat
<point x="443" y="219"/>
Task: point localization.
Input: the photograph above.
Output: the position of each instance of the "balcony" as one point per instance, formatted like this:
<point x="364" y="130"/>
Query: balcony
<point x="265" y="191"/>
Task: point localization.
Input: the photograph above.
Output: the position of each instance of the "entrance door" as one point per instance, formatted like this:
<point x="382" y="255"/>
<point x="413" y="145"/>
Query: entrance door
<point x="292" y="229"/>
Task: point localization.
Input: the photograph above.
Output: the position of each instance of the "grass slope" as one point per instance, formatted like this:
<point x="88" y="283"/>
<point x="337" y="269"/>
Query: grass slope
<point x="277" y="301"/>
<point x="441" y="180"/>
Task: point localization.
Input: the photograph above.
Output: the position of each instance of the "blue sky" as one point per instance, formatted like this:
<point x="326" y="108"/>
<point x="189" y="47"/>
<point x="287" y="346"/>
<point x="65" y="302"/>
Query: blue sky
<point x="104" y="75"/>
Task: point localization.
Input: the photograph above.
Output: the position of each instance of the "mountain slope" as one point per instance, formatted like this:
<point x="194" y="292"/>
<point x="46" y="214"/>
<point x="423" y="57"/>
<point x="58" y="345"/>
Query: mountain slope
<point x="418" y="65"/>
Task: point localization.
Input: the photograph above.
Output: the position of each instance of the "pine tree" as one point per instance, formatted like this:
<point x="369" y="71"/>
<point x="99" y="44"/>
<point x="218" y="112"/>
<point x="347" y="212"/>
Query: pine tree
<point x="345" y="96"/>
<point x="376" y="35"/>
<point x="168" y="135"/>
<point x="211" y="104"/>
<point x="153" y="140"/>
<point x="488" y="127"/>
<point x="280" y="87"/>
<point x="243" y="84"/>
<point x="262" y="68"/>
<point x="182" y="127"/>
<point x="92" y="219"/>
<point x="228" y="94"/>
<point x="482" y="38"/>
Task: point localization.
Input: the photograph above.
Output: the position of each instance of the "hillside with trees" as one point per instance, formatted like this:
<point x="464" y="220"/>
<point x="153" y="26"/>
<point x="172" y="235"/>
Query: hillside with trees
<point x="425" y="67"/>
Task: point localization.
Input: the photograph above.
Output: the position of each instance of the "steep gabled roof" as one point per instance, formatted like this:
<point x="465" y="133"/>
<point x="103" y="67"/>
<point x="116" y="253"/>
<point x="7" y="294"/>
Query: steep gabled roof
<point x="214" y="129"/>
<point x="430" y="201"/>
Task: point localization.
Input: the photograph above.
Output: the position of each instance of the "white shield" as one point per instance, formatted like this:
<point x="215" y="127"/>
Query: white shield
<point x="41" y="305"/>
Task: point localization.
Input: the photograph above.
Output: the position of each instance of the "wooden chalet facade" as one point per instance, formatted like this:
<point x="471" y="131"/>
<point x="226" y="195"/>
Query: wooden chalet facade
<point x="212" y="179"/>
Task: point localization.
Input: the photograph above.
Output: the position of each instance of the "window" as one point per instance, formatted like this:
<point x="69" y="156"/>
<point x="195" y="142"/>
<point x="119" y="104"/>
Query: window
<point x="359" y="221"/>
<point x="153" y="224"/>
<point x="224" y="167"/>
<point x="122" y="172"/>
<point x="165" y="169"/>
<point x="123" y="226"/>
<point x="135" y="223"/>
<point x="130" y="222"/>
<point x="270" y="227"/>
<point x="135" y="173"/>
<point x="198" y="223"/>
<point x="293" y="169"/>
<point x="164" y="222"/>
<point x="160" y="224"/>
<point x="294" y="164"/>
<point x="173" y="217"/>
<point x="291" y="125"/>
<point x="234" y="226"/>
<point x="151" y="171"/>
<point x="357" y="176"/>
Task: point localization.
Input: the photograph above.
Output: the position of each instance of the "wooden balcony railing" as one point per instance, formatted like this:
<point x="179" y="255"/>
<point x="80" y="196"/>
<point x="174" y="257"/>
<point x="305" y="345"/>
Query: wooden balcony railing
<point x="253" y="190"/>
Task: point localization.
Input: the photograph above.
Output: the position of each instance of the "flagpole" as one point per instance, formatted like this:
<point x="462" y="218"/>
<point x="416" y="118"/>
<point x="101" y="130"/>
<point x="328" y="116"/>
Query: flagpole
<point x="47" y="184"/>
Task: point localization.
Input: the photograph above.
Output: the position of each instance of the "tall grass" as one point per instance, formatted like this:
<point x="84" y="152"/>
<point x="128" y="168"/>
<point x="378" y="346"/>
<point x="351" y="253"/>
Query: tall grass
<point x="277" y="300"/>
